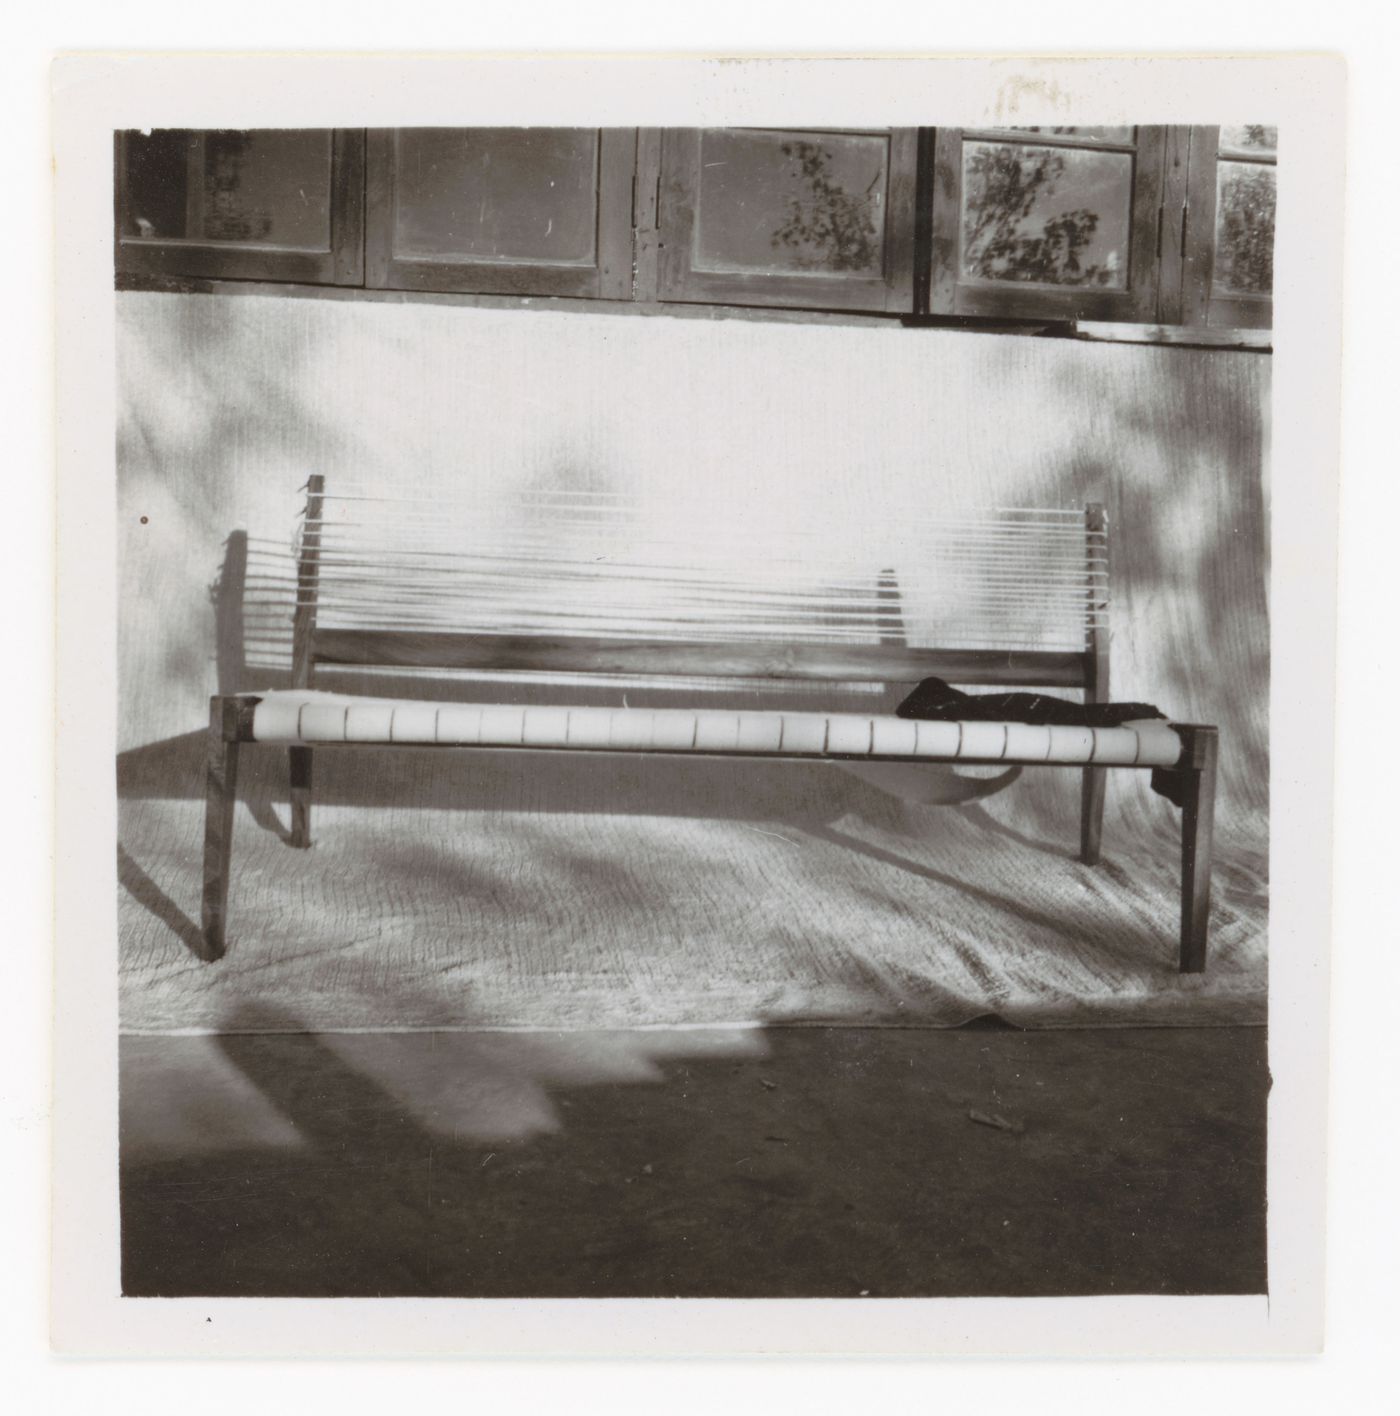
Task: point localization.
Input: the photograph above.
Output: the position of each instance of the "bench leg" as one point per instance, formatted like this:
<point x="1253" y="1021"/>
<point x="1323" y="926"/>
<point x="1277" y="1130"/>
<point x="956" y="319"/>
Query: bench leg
<point x="1197" y="776"/>
<point x="1091" y="814"/>
<point x="299" y="763"/>
<point x="220" y="794"/>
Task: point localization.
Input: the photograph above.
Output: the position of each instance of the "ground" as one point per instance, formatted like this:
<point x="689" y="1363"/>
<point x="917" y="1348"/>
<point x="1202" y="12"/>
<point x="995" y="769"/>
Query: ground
<point x="818" y="1162"/>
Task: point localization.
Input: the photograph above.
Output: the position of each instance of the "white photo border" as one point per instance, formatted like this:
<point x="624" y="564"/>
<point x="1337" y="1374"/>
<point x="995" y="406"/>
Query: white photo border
<point x="96" y="94"/>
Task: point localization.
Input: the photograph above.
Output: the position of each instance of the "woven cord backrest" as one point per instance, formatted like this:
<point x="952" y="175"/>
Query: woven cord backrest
<point x="551" y="576"/>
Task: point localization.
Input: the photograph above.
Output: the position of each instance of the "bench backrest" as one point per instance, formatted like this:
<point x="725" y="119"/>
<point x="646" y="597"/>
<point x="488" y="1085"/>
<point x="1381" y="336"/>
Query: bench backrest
<point x="556" y="584"/>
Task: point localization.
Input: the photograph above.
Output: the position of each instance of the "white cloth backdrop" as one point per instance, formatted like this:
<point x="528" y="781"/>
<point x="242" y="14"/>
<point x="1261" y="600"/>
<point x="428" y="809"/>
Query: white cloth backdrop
<point x="580" y="894"/>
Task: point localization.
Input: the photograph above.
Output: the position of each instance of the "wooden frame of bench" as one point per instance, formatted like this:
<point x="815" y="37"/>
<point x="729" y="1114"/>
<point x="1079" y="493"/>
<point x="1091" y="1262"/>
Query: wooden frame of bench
<point x="231" y="716"/>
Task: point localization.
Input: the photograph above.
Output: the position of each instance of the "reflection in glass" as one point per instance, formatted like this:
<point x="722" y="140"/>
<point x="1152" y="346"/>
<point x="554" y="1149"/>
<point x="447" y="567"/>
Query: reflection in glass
<point x="1244" y="227"/>
<point x="1250" y="137"/>
<point x="1107" y="135"/>
<point x="791" y="203"/>
<point x="268" y="187"/>
<point x="1056" y="216"/>
<point x="156" y="183"/>
<point x="517" y="195"/>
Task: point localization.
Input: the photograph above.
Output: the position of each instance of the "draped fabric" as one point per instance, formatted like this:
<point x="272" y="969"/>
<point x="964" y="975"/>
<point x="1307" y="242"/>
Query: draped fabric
<point x="498" y="889"/>
<point x="935" y="699"/>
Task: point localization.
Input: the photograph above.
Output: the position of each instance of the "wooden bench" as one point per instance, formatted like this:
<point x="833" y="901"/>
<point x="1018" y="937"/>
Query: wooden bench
<point x="382" y="589"/>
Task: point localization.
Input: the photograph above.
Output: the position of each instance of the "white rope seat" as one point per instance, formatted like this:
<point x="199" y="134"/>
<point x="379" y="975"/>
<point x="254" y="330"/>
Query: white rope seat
<point x="293" y="717"/>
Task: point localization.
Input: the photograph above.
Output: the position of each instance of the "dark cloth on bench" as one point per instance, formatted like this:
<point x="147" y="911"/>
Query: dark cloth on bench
<point x="936" y="699"/>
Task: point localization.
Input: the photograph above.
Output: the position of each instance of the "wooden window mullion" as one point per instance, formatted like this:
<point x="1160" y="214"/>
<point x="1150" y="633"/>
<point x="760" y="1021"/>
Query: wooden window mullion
<point x="617" y="163"/>
<point x="1173" y="211"/>
<point x="1198" y="258"/>
<point x="900" y="221"/>
<point x="646" y="216"/>
<point x="946" y="221"/>
<point x="195" y="156"/>
<point x="1154" y="224"/>
<point x="379" y="206"/>
<point x="348" y="206"/>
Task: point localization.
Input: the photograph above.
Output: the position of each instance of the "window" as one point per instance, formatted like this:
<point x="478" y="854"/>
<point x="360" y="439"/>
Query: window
<point x="521" y="211"/>
<point x="1046" y="222"/>
<point x="1154" y="226"/>
<point x="816" y="218"/>
<point x="266" y="204"/>
<point x="1234" y="186"/>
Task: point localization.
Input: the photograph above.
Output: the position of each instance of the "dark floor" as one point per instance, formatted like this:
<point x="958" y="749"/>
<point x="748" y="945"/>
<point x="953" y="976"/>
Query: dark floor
<point x="785" y="1162"/>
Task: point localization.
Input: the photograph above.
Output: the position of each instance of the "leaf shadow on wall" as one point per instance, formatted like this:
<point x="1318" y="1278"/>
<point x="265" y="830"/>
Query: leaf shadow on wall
<point x="1191" y="561"/>
<point x="1191" y="551"/>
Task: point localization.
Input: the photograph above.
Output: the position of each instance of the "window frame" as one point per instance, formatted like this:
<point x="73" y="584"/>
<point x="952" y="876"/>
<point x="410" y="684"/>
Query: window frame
<point x="1201" y="304"/>
<point x="341" y="263"/>
<point x="677" y="195"/>
<point x="648" y="183"/>
<point x="952" y="293"/>
<point x="608" y="278"/>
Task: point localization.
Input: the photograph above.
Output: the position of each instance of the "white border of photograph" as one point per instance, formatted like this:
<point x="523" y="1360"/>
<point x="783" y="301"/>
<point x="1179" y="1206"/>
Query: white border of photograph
<point x="94" y="95"/>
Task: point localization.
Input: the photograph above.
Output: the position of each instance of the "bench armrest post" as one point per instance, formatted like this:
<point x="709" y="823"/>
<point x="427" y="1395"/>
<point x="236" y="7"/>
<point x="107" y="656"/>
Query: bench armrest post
<point x="1095" y="675"/>
<point x="308" y="578"/>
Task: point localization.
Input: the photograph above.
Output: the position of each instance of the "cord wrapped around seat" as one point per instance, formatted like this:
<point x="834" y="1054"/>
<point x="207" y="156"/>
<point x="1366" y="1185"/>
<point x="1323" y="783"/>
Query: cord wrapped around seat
<point x="296" y="717"/>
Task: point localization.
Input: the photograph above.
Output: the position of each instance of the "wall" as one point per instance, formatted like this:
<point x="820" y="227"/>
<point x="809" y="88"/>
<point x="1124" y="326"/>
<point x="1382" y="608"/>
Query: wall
<point x="226" y="404"/>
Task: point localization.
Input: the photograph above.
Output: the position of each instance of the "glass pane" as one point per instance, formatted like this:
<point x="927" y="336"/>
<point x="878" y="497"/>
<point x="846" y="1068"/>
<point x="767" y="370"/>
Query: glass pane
<point x="1244" y="227"/>
<point x="1250" y="137"/>
<point x="1107" y="135"/>
<point x="156" y="195"/>
<point x="1057" y="216"/>
<point x="776" y="203"/>
<point x="269" y="187"/>
<point x="517" y="195"/>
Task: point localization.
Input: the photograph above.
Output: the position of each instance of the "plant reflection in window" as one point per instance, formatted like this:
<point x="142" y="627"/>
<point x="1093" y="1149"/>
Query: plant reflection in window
<point x="837" y="230"/>
<point x="1003" y="186"/>
<point x="226" y="217"/>
<point x="1245" y="228"/>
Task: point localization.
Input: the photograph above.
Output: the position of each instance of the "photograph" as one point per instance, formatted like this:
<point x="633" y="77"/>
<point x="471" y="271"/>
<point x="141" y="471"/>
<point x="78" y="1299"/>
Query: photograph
<point x="696" y="709"/>
<point x="694" y="712"/>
